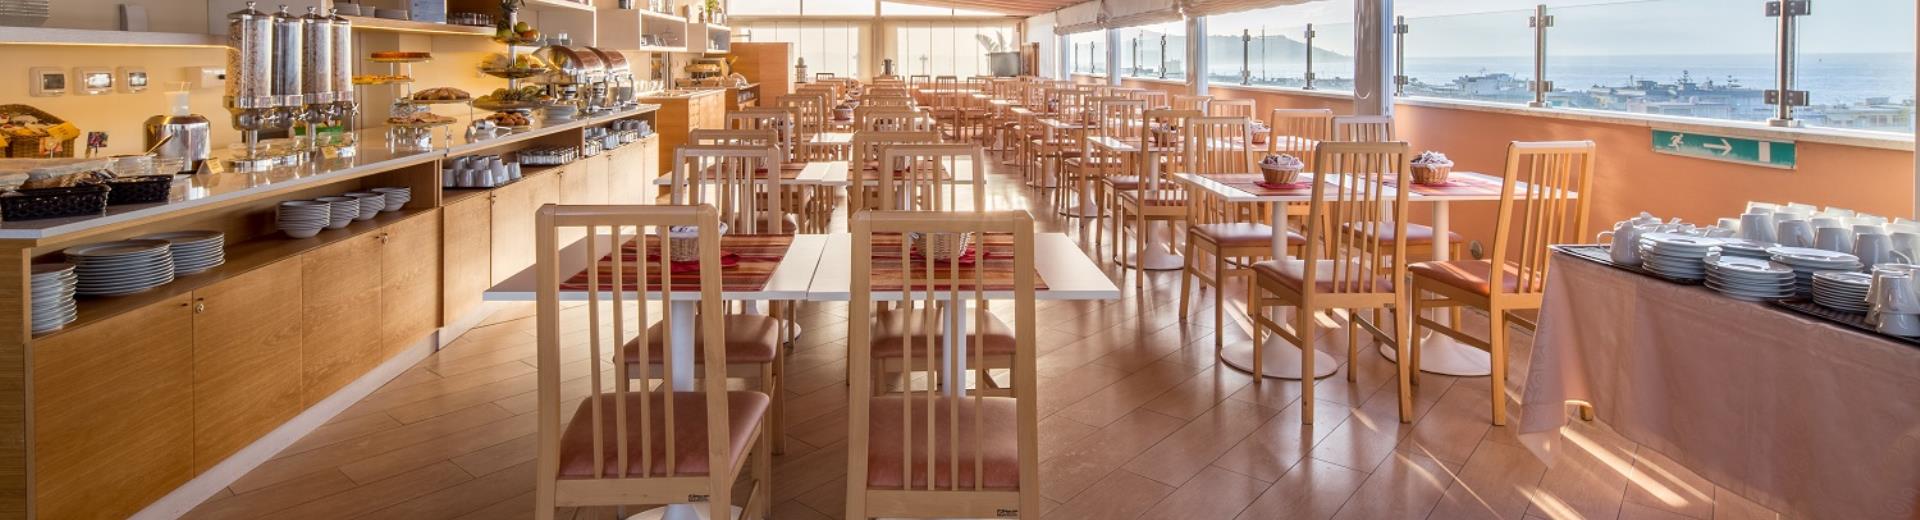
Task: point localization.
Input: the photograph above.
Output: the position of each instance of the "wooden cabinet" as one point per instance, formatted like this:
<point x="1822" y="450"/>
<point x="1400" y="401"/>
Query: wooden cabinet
<point x="597" y="172"/>
<point x="409" y="288"/>
<point x="342" y="307"/>
<point x="467" y="254"/>
<point x="576" y="181"/>
<point x="247" y="358"/>
<point x="513" y="222"/>
<point x="113" y="414"/>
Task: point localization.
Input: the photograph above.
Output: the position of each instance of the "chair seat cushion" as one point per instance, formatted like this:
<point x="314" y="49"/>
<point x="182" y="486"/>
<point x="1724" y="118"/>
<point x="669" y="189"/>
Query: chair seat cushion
<point x="1242" y="234"/>
<point x="751" y="338"/>
<point x="745" y="410"/>
<point x="895" y="332"/>
<point x="1416" y="234"/>
<point x="1162" y="199"/>
<point x="1126" y="182"/>
<point x="1468" y="275"/>
<point x="997" y="444"/>
<point x="1292" y="273"/>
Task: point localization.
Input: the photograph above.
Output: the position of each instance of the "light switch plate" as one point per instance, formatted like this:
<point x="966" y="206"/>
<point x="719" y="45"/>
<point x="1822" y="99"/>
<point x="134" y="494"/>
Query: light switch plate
<point x="133" y="79"/>
<point x="47" y="81"/>
<point x="93" y="81"/>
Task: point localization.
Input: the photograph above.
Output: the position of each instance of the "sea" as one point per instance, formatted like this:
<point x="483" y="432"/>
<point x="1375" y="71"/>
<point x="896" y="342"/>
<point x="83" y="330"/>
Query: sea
<point x="1830" y="79"/>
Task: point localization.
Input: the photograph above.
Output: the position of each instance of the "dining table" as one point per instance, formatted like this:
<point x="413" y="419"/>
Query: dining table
<point x="1159" y="253"/>
<point x="1439" y="353"/>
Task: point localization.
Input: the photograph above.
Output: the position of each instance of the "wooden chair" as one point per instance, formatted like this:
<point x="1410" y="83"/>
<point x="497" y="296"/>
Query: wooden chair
<point x="1080" y="173"/>
<point x="1188" y="102"/>
<point x="1156" y="100"/>
<point x="1234" y="236"/>
<point x="1230" y="108"/>
<point x="891" y="119"/>
<point x="926" y="181"/>
<point x="1297" y="130"/>
<point x="984" y="460"/>
<point x="1209" y="145"/>
<point x="1541" y="204"/>
<point x="640" y="444"/>
<point x="729" y="177"/>
<point x="811" y="110"/>
<point x="1350" y="272"/>
<point x="867" y="150"/>
<point x="1363" y="129"/>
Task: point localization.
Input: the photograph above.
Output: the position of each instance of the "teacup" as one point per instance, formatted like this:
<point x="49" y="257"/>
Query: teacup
<point x="1758" y="227"/>
<point x="1762" y="207"/>
<point x="1836" y="239"/>
<point x="1899" y="324"/>
<point x="1893" y="292"/>
<point x="1727" y="223"/>
<point x="1829" y="222"/>
<point x="1876" y="249"/>
<point x="1794" y="233"/>
<point x="1907" y="243"/>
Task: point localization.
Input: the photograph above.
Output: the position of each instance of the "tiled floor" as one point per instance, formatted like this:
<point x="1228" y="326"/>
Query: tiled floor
<point x="1138" y="421"/>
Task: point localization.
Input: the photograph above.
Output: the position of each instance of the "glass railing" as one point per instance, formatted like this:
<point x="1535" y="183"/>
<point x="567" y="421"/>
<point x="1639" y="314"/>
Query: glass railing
<point x="1717" y="59"/>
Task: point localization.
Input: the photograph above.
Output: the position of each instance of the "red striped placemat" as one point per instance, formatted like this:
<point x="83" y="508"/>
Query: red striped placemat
<point x="749" y="263"/>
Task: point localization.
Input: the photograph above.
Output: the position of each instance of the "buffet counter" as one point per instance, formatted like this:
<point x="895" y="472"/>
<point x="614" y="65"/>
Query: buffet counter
<point x="156" y="399"/>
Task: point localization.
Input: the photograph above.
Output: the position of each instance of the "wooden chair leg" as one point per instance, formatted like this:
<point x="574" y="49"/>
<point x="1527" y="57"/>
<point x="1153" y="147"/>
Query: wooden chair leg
<point x="1255" y="305"/>
<point x="763" y="475"/>
<point x="1219" y="292"/>
<point x="1402" y="323"/>
<point x="1586" y="412"/>
<point x="1411" y="359"/>
<point x="1186" y="282"/>
<point x="1353" y="343"/>
<point x="1497" y="339"/>
<point x="1306" y="330"/>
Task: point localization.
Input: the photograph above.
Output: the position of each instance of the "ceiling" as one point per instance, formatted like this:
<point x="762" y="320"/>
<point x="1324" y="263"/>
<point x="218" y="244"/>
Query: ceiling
<point x="1013" y="7"/>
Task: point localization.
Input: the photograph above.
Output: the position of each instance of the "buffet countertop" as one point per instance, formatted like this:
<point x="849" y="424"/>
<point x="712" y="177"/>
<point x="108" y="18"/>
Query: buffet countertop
<point x="374" y="156"/>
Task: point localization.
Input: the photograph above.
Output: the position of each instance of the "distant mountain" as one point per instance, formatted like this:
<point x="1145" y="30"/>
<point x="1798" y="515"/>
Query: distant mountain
<point x="1279" y="49"/>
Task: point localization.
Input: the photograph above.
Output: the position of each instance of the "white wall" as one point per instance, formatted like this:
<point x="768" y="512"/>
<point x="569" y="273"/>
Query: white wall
<point x="1040" y="30"/>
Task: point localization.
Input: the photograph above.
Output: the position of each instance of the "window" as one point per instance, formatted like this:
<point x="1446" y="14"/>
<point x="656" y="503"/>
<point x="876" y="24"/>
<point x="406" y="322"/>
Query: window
<point x="1619" y="58"/>
<point x="1856" y="64"/>
<point x="900" y="9"/>
<point x="944" y="48"/>
<point x="1154" y="51"/>
<point x="763" y="7"/>
<point x="1269" y="46"/>
<point x="836" y="7"/>
<point x="828" y="46"/>
<point x="1494" y="65"/>
<point x="1089" y="52"/>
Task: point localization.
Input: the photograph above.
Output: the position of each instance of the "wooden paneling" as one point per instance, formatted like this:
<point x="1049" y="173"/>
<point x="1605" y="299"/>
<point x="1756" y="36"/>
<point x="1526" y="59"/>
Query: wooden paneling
<point x="13" y="384"/>
<point x="409" y="292"/>
<point x="512" y="230"/>
<point x="465" y="260"/>
<point x="113" y="413"/>
<point x="766" y="63"/>
<point x="342" y="306"/>
<point x="596" y="169"/>
<point x="576" y="179"/>
<point x="246" y="359"/>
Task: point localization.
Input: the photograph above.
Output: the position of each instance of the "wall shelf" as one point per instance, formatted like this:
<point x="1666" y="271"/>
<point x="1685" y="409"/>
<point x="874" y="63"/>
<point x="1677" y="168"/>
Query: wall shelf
<point x="559" y="4"/>
<point x="92" y="37"/>
<point x="365" y="23"/>
<point x="625" y="29"/>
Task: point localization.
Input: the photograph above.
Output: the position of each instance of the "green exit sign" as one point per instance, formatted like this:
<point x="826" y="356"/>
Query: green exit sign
<point x="1744" y="150"/>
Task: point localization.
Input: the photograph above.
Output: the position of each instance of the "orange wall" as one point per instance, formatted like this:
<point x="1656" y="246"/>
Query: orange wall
<point x="1631" y="178"/>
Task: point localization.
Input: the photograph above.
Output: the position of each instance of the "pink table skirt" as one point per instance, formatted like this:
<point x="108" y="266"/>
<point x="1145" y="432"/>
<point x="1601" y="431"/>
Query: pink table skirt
<point x="1805" y="417"/>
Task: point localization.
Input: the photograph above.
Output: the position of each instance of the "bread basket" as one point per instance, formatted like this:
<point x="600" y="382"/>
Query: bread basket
<point x="1431" y="168"/>
<point x="940" y="247"/>
<point x="683" y="242"/>
<point x="1281" y="169"/>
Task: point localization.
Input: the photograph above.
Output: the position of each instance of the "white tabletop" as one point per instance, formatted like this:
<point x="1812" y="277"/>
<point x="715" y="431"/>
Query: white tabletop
<point x="835" y="173"/>
<point x="790" y="281"/>
<point x="1066" y="270"/>
<point x="833" y="138"/>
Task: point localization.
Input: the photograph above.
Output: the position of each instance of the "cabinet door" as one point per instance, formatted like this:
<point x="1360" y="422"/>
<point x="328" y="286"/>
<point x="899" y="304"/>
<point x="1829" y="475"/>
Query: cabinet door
<point x="576" y="182"/>
<point x="409" y="296"/>
<point x="467" y="262"/>
<point x="619" y="177"/>
<point x="649" y="160"/>
<point x="247" y="349"/>
<point x="342" y="303"/>
<point x="597" y="175"/>
<point x="113" y="412"/>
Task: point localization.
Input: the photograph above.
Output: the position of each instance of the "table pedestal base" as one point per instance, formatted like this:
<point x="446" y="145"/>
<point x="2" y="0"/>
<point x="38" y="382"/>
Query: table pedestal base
<point x="1282" y="359"/>
<point x="1440" y="354"/>
<point x="1081" y="211"/>
<point x="1156" y="259"/>
<point x="679" y="512"/>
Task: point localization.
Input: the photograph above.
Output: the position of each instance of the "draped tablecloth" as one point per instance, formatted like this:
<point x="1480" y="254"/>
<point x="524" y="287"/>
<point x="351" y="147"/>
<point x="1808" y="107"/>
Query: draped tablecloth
<point x="1803" y="416"/>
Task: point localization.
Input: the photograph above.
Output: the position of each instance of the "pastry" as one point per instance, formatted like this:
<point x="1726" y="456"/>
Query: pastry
<point x="420" y="119"/>
<point x="387" y="56"/>
<point x="509" y="119"/>
<point x="441" y="94"/>
<point x="380" y="79"/>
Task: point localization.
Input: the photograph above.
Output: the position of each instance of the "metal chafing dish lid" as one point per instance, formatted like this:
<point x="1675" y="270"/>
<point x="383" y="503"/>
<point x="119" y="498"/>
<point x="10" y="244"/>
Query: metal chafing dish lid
<point x="578" y="60"/>
<point x="615" y="61"/>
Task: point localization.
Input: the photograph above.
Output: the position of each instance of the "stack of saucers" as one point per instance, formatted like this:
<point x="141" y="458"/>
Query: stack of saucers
<point x="1751" y="279"/>
<point x="122" y="267"/>
<point x="396" y="197"/>
<point x="194" y="251"/>
<point x="302" y="218"/>
<point x="1676" y="256"/>
<point x="1807" y="261"/>
<point x="341" y="211"/>
<point x="371" y="204"/>
<point x="53" y="288"/>
<point x="1842" y="290"/>
<point x="1746" y="248"/>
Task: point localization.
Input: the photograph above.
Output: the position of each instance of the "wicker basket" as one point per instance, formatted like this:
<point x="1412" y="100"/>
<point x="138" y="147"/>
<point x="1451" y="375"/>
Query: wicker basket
<point x="1279" y="174"/>
<point x="1431" y="173"/>
<point x="76" y="201"/>
<point x="31" y="147"/>
<point x="939" y="246"/>
<point x="1259" y="135"/>
<point x="683" y="243"/>
<point x="142" y="189"/>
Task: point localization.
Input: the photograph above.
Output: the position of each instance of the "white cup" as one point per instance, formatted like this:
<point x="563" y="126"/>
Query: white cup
<point x="1877" y="249"/>
<point x="1828" y="222"/>
<point x="1794" y="233"/>
<point x="1836" y="239"/>
<point x="1869" y="229"/>
<point x="1899" y="324"/>
<point x="1762" y="207"/>
<point x="1837" y="212"/>
<point x="1907" y="244"/>
<point x="1758" y="227"/>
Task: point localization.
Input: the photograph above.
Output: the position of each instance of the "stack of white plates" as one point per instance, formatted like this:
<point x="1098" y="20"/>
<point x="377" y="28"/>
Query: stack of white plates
<point x="342" y="210"/>
<point x="1676" y="256"/>
<point x="302" y="218"/>
<point x="194" y="251"/>
<point x="1751" y="279"/>
<point x="1807" y="261"/>
<point x="122" y="267"/>
<point x="53" y="288"/>
<point x="1842" y="291"/>
<point x="371" y="204"/>
<point x="1746" y="248"/>
<point x="396" y="197"/>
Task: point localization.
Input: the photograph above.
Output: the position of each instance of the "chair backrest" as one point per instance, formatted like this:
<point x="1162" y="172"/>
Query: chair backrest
<point x="1155" y="99"/>
<point x="729" y="178"/>
<point x="778" y="119"/>
<point x="925" y="180"/>
<point x="891" y="119"/>
<point x="1217" y="145"/>
<point x="715" y="136"/>
<point x="812" y="111"/>
<point x="932" y="463"/>
<point x="621" y="447"/>
<point x="919" y="80"/>
<point x="1187" y="102"/>
<point x="822" y="75"/>
<point x="1119" y="117"/>
<point x="1296" y="130"/>
<point x="1352" y="206"/>
<point x="1363" y="129"/>
<point x="1230" y="108"/>
<point x="1544" y="202"/>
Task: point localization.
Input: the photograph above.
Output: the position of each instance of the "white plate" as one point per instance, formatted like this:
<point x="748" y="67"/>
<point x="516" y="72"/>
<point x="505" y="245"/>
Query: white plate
<point x="178" y="238"/>
<point x="1811" y="257"/>
<point x="1748" y="292"/>
<point x="116" y="249"/>
<point x="1748" y="265"/>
